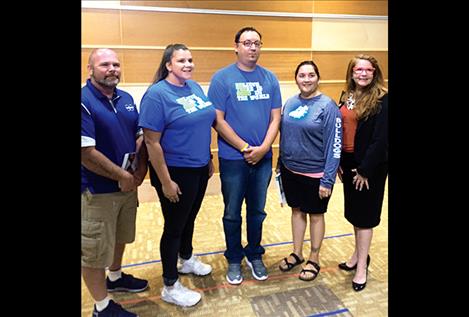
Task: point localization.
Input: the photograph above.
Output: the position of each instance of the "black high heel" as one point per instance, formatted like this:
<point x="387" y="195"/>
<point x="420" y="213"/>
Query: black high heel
<point x="357" y="287"/>
<point x="345" y="267"/>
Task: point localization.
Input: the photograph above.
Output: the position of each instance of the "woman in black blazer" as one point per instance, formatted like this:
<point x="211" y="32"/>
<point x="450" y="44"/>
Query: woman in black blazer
<point x="364" y="159"/>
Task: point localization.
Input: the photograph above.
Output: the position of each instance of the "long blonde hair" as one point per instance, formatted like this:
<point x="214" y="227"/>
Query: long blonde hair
<point x="367" y="103"/>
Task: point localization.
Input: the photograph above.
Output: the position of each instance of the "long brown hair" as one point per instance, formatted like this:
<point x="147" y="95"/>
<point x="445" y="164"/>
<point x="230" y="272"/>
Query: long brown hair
<point x="367" y="103"/>
<point x="162" y="72"/>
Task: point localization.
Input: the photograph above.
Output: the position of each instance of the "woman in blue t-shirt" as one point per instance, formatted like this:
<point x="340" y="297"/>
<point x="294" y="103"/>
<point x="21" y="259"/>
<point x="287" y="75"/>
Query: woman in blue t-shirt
<point x="176" y="117"/>
<point x="310" y="146"/>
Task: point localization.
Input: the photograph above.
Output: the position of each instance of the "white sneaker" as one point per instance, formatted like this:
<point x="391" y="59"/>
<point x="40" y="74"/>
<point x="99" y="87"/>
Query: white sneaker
<point x="193" y="265"/>
<point x="180" y="295"/>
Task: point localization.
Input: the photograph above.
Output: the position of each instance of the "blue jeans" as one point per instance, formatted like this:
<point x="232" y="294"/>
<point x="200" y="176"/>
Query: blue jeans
<point x="239" y="181"/>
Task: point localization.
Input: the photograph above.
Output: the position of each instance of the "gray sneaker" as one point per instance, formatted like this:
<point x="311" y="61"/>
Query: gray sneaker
<point x="259" y="272"/>
<point x="234" y="275"/>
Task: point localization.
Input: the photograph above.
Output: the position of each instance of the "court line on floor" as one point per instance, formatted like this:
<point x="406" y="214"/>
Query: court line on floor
<point x="220" y="252"/>
<point x="334" y="312"/>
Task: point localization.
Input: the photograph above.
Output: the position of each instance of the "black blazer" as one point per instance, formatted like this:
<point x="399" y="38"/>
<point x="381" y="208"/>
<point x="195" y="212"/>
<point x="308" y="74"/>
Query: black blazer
<point x="371" y="140"/>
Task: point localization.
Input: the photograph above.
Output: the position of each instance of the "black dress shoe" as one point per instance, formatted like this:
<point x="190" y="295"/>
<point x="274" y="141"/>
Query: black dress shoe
<point x="345" y="267"/>
<point x="357" y="287"/>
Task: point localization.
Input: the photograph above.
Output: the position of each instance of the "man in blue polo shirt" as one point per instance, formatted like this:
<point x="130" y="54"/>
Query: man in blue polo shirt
<point x="109" y="130"/>
<point x="247" y="100"/>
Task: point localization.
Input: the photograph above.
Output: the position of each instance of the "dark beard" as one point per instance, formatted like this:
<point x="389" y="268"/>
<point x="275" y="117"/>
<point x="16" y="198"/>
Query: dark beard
<point x="108" y="83"/>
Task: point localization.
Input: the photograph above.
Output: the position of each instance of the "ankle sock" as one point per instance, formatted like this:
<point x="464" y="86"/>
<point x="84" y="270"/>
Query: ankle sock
<point x="115" y="275"/>
<point x="185" y="257"/>
<point x="102" y="304"/>
<point x="169" y="282"/>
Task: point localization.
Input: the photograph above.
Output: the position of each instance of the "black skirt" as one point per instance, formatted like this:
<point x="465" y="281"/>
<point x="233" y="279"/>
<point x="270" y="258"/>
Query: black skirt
<point x="363" y="208"/>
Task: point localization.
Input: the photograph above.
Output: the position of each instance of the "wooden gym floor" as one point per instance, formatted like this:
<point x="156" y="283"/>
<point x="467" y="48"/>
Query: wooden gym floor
<point x="282" y="294"/>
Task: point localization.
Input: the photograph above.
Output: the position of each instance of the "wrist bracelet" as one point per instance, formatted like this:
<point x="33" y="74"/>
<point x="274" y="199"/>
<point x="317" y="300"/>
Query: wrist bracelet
<point x="244" y="148"/>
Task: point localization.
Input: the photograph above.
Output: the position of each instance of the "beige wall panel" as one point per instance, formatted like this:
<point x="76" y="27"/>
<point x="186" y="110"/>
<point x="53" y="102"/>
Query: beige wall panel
<point x="343" y="35"/>
<point x="274" y="6"/>
<point x="275" y="152"/>
<point x="367" y="7"/>
<point x="332" y="90"/>
<point x="258" y="5"/>
<point x="214" y="144"/>
<point x="319" y="6"/>
<point x="140" y="65"/>
<point x="85" y="54"/>
<point x="283" y="64"/>
<point x="161" y="29"/>
<point x="215" y="163"/>
<point x="288" y="90"/>
<point x="100" y="27"/>
<point x="208" y="62"/>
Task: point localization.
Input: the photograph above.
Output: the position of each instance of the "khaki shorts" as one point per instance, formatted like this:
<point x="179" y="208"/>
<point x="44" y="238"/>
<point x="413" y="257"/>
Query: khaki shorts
<point x="106" y="219"/>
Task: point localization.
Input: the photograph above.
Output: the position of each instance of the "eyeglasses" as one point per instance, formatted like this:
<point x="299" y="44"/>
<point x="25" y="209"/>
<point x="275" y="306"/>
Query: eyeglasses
<point x="358" y="70"/>
<point x="248" y="44"/>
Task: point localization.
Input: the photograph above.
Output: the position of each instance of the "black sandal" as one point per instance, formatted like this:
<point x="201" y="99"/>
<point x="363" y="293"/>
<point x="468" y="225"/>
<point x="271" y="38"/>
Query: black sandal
<point x="291" y="265"/>
<point x="316" y="273"/>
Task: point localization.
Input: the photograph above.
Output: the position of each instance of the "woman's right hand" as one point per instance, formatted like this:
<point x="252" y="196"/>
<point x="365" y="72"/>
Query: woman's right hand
<point x="171" y="191"/>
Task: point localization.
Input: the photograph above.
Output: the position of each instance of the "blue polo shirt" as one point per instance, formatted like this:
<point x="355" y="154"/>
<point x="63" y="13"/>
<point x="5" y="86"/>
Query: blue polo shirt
<point x="110" y="125"/>
<point x="247" y="99"/>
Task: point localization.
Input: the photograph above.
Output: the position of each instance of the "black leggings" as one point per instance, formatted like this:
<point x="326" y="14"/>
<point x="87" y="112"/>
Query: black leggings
<point x="179" y="217"/>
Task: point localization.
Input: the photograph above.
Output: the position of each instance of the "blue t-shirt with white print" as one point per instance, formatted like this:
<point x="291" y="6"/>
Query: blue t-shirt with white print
<point x="247" y="99"/>
<point x="184" y="116"/>
<point x="311" y="136"/>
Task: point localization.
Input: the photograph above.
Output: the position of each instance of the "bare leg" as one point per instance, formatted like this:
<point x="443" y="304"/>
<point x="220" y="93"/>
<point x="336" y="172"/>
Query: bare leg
<point x="353" y="259"/>
<point x="362" y="247"/>
<point x="317" y="228"/>
<point x="298" y="228"/>
<point x="118" y="254"/>
<point x="95" y="280"/>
